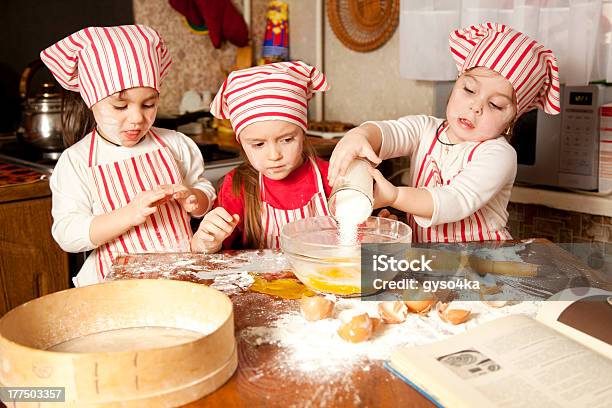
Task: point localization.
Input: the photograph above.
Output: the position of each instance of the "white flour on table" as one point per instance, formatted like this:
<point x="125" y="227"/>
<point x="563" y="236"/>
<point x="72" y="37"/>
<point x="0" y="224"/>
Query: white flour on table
<point x="230" y="273"/>
<point x="502" y="253"/>
<point x="315" y="349"/>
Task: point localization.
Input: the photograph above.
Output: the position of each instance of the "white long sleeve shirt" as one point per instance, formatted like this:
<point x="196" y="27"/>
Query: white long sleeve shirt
<point x="75" y="201"/>
<point x="476" y="177"/>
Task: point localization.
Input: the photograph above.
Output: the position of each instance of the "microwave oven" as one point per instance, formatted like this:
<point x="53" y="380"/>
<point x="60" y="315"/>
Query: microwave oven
<point x="562" y="150"/>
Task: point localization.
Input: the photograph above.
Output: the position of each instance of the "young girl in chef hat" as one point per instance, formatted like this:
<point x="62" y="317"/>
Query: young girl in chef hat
<point x="122" y="186"/>
<point x="280" y="180"/>
<point x="462" y="167"/>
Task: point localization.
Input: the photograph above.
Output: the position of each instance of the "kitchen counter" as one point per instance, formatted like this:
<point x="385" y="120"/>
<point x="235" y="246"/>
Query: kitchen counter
<point x="21" y="183"/>
<point x="31" y="263"/>
<point x="586" y="203"/>
<point x="264" y="376"/>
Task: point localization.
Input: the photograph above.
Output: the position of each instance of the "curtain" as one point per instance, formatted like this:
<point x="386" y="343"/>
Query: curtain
<point x="578" y="31"/>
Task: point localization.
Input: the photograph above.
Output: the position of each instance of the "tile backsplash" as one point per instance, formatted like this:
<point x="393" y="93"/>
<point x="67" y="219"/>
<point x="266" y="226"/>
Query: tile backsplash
<point x="587" y="236"/>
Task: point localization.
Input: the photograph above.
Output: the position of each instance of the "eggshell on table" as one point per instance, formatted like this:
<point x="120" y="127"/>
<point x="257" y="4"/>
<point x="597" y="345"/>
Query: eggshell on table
<point x="392" y="312"/>
<point x="452" y="315"/>
<point x="359" y="328"/>
<point x="316" y="307"/>
<point x="420" y="306"/>
<point x="418" y="300"/>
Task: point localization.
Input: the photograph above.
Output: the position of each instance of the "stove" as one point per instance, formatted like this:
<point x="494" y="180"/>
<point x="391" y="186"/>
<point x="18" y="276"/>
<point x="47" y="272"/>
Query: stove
<point x="218" y="160"/>
<point x="16" y="152"/>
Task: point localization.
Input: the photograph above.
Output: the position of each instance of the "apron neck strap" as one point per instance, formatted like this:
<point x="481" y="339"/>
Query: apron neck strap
<point x="93" y="146"/>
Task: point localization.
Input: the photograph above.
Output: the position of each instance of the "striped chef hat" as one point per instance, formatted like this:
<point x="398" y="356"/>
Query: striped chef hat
<point x="278" y="91"/>
<point x="531" y="69"/>
<point x="101" y="61"/>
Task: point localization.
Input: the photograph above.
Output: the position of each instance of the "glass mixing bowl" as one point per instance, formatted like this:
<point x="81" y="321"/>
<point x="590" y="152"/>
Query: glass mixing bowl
<point x="322" y="263"/>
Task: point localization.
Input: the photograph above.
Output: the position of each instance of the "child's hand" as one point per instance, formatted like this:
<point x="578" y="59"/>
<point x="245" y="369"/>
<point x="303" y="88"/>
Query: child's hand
<point x="384" y="213"/>
<point x="353" y="144"/>
<point x="216" y="226"/>
<point x="145" y="204"/>
<point x="385" y="193"/>
<point x="185" y="197"/>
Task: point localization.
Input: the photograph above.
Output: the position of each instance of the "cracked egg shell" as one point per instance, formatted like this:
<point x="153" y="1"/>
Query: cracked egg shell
<point x="451" y="315"/>
<point x="420" y="306"/>
<point x="358" y="329"/>
<point x="392" y="312"/>
<point x="347" y="315"/>
<point x="316" y="307"/>
<point x="418" y="301"/>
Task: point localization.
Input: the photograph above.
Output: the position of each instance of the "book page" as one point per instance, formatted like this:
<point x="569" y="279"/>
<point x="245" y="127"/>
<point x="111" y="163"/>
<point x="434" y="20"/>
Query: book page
<point x="584" y="314"/>
<point x="510" y="362"/>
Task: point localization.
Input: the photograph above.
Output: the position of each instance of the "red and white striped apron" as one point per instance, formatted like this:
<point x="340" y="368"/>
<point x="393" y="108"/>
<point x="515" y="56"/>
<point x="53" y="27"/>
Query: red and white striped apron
<point x="273" y="219"/>
<point x="473" y="228"/>
<point x="166" y="230"/>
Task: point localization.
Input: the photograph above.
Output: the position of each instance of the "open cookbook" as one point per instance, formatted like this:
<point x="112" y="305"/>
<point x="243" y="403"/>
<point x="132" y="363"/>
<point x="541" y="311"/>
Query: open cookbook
<point x="562" y="358"/>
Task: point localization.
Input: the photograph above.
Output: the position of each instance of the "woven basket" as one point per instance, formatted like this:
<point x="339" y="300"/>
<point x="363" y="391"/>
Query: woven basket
<point x="363" y="25"/>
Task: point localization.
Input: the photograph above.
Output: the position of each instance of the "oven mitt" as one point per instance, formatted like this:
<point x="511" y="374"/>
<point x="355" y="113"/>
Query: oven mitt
<point x="189" y="9"/>
<point x="235" y="29"/>
<point x="224" y="22"/>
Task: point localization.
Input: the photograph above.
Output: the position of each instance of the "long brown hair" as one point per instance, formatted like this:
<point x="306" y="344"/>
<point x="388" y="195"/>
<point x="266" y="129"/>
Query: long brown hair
<point x="247" y="176"/>
<point x="77" y="118"/>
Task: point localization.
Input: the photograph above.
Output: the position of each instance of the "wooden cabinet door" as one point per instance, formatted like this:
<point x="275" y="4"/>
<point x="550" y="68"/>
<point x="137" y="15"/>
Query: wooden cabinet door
<point x="31" y="263"/>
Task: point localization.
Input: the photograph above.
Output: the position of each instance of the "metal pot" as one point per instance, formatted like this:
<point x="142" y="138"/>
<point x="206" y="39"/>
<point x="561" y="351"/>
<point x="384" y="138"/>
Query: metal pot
<point x="41" y="123"/>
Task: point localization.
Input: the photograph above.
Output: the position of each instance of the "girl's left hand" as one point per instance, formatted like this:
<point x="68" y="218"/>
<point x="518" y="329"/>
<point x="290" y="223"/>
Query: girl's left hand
<point x="385" y="193"/>
<point x="186" y="198"/>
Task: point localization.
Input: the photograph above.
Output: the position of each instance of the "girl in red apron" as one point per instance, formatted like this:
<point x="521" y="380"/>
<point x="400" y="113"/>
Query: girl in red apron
<point x="280" y="180"/>
<point x="462" y="168"/>
<point x="121" y="186"/>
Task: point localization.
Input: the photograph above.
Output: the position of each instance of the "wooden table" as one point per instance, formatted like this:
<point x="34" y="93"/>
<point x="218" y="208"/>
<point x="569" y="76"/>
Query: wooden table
<point x="258" y="381"/>
<point x="249" y="388"/>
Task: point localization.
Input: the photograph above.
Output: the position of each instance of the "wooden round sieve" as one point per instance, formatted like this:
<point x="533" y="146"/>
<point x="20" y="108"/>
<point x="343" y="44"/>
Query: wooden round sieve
<point x="168" y="376"/>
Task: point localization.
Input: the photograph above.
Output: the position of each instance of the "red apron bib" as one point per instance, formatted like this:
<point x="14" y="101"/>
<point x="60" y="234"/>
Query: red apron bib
<point x="473" y="228"/>
<point x="273" y="219"/>
<point x="166" y="230"/>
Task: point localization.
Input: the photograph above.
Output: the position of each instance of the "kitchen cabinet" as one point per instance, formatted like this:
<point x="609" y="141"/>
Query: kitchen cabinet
<point x="31" y="263"/>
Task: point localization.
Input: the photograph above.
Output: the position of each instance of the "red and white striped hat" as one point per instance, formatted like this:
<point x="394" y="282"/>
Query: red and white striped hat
<point x="101" y="61"/>
<point x="529" y="66"/>
<point x="278" y="91"/>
